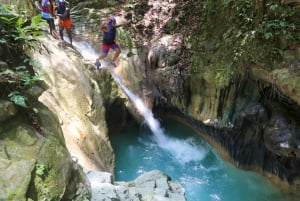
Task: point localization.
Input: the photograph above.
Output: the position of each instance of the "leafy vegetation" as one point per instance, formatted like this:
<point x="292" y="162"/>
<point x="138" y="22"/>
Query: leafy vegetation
<point x="243" y="32"/>
<point x="40" y="169"/>
<point x="16" y="70"/>
<point x="124" y="36"/>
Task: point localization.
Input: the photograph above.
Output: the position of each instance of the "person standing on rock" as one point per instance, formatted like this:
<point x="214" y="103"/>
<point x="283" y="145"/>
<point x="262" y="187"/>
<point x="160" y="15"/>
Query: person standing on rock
<point x="109" y="35"/>
<point x="64" y="21"/>
<point x="47" y="13"/>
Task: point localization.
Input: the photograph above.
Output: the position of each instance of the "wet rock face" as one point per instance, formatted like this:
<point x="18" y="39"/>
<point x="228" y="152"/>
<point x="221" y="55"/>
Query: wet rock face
<point x="166" y="77"/>
<point x="265" y="137"/>
<point x="282" y="137"/>
<point x="254" y="134"/>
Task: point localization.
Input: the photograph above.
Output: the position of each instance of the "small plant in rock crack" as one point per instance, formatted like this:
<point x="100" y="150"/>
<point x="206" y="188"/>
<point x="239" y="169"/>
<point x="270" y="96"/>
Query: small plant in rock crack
<point x="40" y="169"/>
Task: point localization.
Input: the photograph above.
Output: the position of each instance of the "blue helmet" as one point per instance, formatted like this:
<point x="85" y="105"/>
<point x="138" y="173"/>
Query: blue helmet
<point x="112" y="20"/>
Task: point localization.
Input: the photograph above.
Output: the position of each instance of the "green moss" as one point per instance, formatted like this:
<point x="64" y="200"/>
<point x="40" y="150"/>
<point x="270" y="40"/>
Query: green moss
<point x="219" y="73"/>
<point x="50" y="185"/>
<point x="287" y="77"/>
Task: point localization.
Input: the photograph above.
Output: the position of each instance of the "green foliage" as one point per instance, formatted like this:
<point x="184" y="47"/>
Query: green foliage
<point x="126" y="39"/>
<point x="131" y="5"/>
<point x="17" y="33"/>
<point x="274" y="28"/>
<point x="243" y="31"/>
<point x="223" y="72"/>
<point x="268" y="19"/>
<point x="17" y="98"/>
<point x="16" y="37"/>
<point x="15" y="80"/>
<point x="83" y="198"/>
<point x="40" y="169"/>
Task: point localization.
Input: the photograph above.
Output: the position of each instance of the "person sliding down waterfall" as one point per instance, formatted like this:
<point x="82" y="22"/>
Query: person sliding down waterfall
<point x="109" y="35"/>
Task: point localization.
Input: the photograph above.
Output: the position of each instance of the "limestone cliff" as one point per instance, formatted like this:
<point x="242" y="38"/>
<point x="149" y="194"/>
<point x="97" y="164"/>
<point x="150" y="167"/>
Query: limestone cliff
<point x="76" y="97"/>
<point x="233" y="65"/>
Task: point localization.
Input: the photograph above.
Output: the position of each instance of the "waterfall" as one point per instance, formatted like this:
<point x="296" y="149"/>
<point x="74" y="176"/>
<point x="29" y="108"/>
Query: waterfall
<point x="183" y="150"/>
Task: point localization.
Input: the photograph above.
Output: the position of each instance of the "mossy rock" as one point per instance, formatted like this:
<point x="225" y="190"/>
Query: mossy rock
<point x="25" y="150"/>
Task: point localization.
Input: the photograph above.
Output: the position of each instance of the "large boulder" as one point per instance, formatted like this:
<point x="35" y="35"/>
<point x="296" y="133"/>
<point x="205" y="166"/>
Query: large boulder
<point x="37" y="165"/>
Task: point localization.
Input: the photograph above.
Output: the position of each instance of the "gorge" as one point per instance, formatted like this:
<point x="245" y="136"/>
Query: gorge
<point x="230" y="69"/>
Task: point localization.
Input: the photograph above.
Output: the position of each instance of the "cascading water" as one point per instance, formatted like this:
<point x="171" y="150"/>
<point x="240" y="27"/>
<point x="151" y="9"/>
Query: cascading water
<point x="203" y="174"/>
<point x="176" y="147"/>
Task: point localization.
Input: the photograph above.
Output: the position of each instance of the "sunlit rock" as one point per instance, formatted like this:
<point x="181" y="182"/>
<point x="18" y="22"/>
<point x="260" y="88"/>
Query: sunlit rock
<point x="76" y="97"/>
<point x="153" y="185"/>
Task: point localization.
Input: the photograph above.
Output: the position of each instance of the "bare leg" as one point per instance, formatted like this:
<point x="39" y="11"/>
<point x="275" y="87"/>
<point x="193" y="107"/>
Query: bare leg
<point x="55" y="35"/>
<point x="117" y="53"/>
<point x="102" y="56"/>
<point x="52" y="29"/>
<point x="61" y="32"/>
<point x="69" y="32"/>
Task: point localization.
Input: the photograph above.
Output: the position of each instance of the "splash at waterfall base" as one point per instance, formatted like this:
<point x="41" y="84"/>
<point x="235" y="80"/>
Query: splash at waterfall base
<point x="243" y="157"/>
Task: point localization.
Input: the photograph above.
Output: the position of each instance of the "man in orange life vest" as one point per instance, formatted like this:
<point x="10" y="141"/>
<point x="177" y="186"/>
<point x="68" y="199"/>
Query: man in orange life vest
<point x="63" y="12"/>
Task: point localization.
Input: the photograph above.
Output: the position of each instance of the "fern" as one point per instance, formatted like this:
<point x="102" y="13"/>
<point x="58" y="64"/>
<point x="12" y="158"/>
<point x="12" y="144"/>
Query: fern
<point x="18" y="99"/>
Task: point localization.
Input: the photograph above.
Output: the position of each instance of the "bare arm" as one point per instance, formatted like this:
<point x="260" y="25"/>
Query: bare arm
<point x="65" y="14"/>
<point x="50" y="7"/>
<point x="103" y="27"/>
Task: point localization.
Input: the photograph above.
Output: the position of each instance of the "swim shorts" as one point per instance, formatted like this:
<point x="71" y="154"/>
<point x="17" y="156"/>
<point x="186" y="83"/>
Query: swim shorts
<point x="106" y="47"/>
<point x="65" y="23"/>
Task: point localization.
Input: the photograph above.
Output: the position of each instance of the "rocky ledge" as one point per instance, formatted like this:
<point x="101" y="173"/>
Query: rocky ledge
<point x="153" y="185"/>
